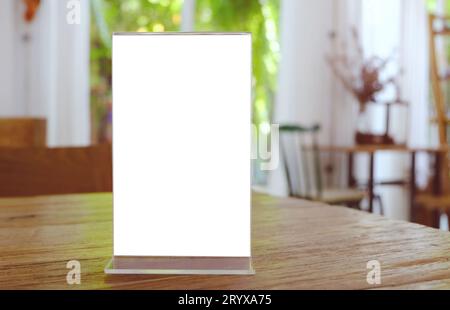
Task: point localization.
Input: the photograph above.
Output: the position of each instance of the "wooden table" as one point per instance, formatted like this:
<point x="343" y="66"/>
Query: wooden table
<point x="296" y="245"/>
<point x="371" y="150"/>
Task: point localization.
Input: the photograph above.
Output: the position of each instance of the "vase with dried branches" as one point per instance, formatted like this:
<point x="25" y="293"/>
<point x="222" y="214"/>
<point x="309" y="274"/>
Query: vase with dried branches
<point x="362" y="77"/>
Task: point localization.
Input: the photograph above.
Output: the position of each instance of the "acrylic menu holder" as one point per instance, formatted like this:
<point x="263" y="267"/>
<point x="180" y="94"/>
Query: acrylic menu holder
<point x="180" y="265"/>
<point x="181" y="153"/>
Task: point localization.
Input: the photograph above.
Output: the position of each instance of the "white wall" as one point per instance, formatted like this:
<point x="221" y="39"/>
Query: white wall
<point x="7" y="50"/>
<point x="47" y="75"/>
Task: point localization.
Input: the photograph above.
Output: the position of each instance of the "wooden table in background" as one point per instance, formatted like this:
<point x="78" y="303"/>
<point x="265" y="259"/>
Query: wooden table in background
<point x="296" y="245"/>
<point x="371" y="150"/>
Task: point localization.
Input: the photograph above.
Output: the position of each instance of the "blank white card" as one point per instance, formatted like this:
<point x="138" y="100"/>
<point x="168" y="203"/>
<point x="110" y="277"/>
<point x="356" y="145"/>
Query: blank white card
<point x="181" y="144"/>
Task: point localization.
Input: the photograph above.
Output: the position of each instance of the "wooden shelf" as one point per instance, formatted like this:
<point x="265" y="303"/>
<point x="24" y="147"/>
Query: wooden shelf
<point x="435" y="120"/>
<point x="444" y="32"/>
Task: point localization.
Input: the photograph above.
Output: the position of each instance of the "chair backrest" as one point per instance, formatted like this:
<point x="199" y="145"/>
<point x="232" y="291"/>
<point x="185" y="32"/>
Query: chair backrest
<point x="46" y="171"/>
<point x="301" y="160"/>
<point x="23" y="132"/>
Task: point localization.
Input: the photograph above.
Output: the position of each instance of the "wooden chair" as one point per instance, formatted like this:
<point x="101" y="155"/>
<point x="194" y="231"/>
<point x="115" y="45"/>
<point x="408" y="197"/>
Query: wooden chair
<point x="47" y="171"/>
<point x="23" y="132"/>
<point x="439" y="27"/>
<point x="301" y="159"/>
<point x="429" y="203"/>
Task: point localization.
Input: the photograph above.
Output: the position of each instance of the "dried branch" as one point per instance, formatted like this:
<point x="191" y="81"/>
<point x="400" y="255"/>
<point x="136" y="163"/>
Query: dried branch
<point x="361" y="77"/>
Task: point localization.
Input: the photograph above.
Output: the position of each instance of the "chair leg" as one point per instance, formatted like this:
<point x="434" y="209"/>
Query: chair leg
<point x="432" y="218"/>
<point x="381" y="206"/>
<point x="448" y="220"/>
<point x="418" y="214"/>
<point x="380" y="203"/>
<point x="436" y="219"/>
<point x="353" y="205"/>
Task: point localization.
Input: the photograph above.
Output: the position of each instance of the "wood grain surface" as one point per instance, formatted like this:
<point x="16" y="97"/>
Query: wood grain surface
<point x="23" y="132"/>
<point x="296" y="245"/>
<point x="30" y="171"/>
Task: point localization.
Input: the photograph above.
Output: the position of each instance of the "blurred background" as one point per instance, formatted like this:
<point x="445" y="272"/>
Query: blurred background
<point x="358" y="87"/>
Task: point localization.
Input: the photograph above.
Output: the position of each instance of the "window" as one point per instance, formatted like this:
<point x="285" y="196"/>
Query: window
<point x="260" y="17"/>
<point x="114" y="16"/>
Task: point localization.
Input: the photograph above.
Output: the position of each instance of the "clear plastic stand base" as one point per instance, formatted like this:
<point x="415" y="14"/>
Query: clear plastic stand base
<point x="180" y="265"/>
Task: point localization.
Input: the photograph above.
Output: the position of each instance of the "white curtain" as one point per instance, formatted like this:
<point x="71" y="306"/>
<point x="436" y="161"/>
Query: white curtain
<point x="188" y="15"/>
<point x="415" y="82"/>
<point x="343" y="106"/>
<point x="47" y="68"/>
<point x="303" y="81"/>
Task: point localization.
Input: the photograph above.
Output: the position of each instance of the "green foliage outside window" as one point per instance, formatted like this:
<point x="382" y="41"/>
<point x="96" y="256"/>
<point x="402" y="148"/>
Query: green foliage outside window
<point x="257" y="16"/>
<point x="261" y="19"/>
<point x="110" y="16"/>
